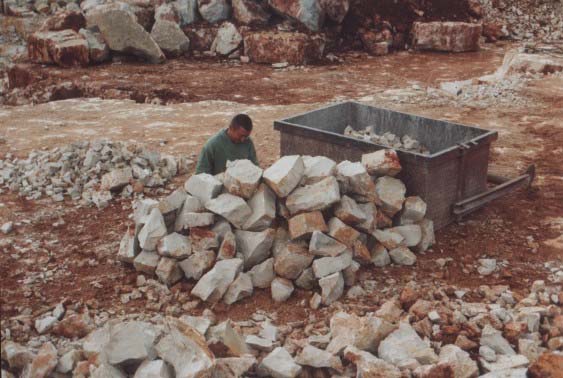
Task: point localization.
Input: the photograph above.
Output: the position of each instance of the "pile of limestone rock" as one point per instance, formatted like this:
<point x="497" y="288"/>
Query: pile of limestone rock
<point x="388" y="139"/>
<point x="304" y="221"/>
<point x="420" y="333"/>
<point x="92" y="172"/>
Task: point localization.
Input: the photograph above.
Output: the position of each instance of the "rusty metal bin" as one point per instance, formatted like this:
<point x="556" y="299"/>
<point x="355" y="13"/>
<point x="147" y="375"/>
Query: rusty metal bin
<point x="452" y="179"/>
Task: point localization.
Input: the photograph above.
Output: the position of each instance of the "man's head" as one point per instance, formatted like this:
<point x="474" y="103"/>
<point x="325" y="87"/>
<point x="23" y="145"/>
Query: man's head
<point x="240" y="128"/>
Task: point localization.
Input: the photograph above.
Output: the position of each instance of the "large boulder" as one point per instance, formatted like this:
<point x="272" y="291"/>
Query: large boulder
<point x="250" y="12"/>
<point x="170" y="38"/>
<point x="65" y="48"/>
<point x="307" y="12"/>
<point x="446" y="36"/>
<point x="124" y="34"/>
<point x="214" y="284"/>
<point x="276" y="47"/>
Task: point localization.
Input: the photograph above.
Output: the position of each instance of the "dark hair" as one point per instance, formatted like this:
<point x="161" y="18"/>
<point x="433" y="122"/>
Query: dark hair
<point x="242" y="120"/>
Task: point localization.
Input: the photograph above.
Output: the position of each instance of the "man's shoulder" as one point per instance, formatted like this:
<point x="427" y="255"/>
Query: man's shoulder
<point x="216" y="139"/>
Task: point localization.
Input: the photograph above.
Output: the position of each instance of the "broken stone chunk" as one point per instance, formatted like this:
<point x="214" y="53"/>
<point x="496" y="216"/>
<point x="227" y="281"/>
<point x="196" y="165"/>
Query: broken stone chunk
<point x="318" y="196"/>
<point x="281" y="289"/>
<point x="240" y="288"/>
<point x="175" y="246"/>
<point x="255" y="246"/>
<point x="153" y="230"/>
<point x="332" y="287"/>
<point x="318" y="358"/>
<point x="197" y="264"/>
<point x="263" y="205"/>
<point x="168" y="271"/>
<point x="411" y="233"/>
<point x="405" y="344"/>
<point x="414" y="209"/>
<point x="128" y="248"/>
<point x="203" y="186"/>
<point x="391" y="193"/>
<point x="354" y="179"/>
<point x="242" y="178"/>
<point x="284" y="175"/>
<point x="303" y="225"/>
<point x="214" y="284"/>
<point x="262" y="274"/>
<point x="427" y="239"/>
<point x="348" y="211"/>
<point x="342" y="232"/>
<point x="327" y="265"/>
<point x="117" y="179"/>
<point x="173" y="201"/>
<point x="146" y="262"/>
<point x="232" y="208"/>
<point x="131" y="342"/>
<point x="228" y="248"/>
<point x="293" y="260"/>
<point x="389" y="238"/>
<point x="317" y="168"/>
<point x="280" y="364"/>
<point x="224" y="337"/>
<point x="324" y="245"/>
<point x="380" y="256"/>
<point x="382" y="163"/>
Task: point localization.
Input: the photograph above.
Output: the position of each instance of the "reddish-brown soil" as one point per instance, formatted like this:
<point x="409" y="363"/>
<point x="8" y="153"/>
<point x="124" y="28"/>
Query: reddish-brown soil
<point x="518" y="229"/>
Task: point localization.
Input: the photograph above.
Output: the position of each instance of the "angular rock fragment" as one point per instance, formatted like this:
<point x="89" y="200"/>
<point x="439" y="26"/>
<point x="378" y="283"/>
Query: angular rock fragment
<point x="284" y="175"/>
<point x="332" y="287"/>
<point x="203" y="186"/>
<point x="355" y="180"/>
<point x="174" y="245"/>
<point x="303" y="225"/>
<point x="382" y="163"/>
<point x="391" y="193"/>
<point x="414" y="209"/>
<point x="280" y="364"/>
<point x="187" y="11"/>
<point x="146" y="262"/>
<point x="116" y="179"/>
<point x="228" y="248"/>
<point x="259" y="343"/>
<point x="186" y="350"/>
<point x="342" y="232"/>
<point x="361" y="253"/>
<point x="16" y="355"/>
<point x="350" y="273"/>
<point x="428" y="238"/>
<point x="173" y="201"/>
<point x="131" y="342"/>
<point x="463" y="365"/>
<point x="348" y="211"/>
<point x="199" y="323"/>
<point x="168" y="271"/>
<point x="142" y="209"/>
<point x="242" y="177"/>
<point x="493" y="339"/>
<point x="318" y="358"/>
<point x="368" y="365"/>
<point x="65" y="48"/>
<point x="370" y="212"/>
<point x="380" y="256"/>
<point x="224" y="337"/>
<point x="255" y="246"/>
<point x="323" y="245"/>
<point x="504" y="363"/>
<point x="98" y="50"/>
<point x="153" y="230"/>
<point x="105" y="370"/>
<point x="327" y="265"/>
<point x="309" y="14"/>
<point x="68" y="361"/>
<point x="318" y="168"/>
<point x="232" y="208"/>
<point x="389" y="238"/>
<point x="249" y="12"/>
<point x="240" y="288"/>
<point x="318" y="196"/>
<point x="275" y="47"/>
<point x="263" y="205"/>
<point x="294" y="259"/>
<point x="306" y="279"/>
<point x="412" y="234"/>
<point x="197" y="264"/>
<point x="402" y="256"/>
<point x="128" y="248"/>
<point x="203" y="239"/>
<point x="263" y="274"/>
<point x="213" y="285"/>
<point x="405" y="344"/>
<point x="281" y="289"/>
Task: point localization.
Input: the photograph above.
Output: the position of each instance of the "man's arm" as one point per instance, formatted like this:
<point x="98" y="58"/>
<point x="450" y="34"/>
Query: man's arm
<point x="205" y="160"/>
<point x="252" y="154"/>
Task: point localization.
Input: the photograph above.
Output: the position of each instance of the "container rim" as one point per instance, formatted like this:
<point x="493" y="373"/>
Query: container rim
<point x="487" y="134"/>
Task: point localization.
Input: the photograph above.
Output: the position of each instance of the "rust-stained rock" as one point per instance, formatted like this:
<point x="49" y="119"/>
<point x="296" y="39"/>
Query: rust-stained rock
<point x="65" y="48"/>
<point x="303" y="225"/>
<point x="65" y="20"/>
<point x="307" y="12"/>
<point x="201" y="37"/>
<point x="446" y="36"/>
<point x="293" y="48"/>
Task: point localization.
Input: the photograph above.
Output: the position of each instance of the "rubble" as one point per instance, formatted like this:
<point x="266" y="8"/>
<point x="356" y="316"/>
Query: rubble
<point x="77" y="171"/>
<point x="65" y="48"/>
<point x="387" y="160"/>
<point x="460" y="36"/>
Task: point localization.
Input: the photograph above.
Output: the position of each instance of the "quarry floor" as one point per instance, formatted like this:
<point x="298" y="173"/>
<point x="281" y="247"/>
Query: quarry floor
<point x="523" y="229"/>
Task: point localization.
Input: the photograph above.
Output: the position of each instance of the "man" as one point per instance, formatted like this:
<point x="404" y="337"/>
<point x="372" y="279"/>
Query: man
<point x="233" y="143"/>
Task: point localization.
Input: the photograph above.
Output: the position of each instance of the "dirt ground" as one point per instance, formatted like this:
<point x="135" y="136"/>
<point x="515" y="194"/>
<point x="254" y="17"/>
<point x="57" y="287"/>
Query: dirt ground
<point x="70" y="250"/>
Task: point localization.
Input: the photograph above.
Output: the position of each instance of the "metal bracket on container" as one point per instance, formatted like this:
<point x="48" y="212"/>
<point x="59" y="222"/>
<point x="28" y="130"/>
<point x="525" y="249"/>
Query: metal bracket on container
<point x="504" y="186"/>
<point x="463" y="148"/>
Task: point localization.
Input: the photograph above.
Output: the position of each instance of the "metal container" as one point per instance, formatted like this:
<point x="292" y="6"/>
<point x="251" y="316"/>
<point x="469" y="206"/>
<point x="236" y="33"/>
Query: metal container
<point x="452" y="179"/>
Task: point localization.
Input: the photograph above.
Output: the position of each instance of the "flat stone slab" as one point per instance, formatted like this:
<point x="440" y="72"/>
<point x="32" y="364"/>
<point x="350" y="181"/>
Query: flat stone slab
<point x="323" y="245"/>
<point x="317" y="168"/>
<point x="303" y="225"/>
<point x="327" y="265"/>
<point x="318" y="196"/>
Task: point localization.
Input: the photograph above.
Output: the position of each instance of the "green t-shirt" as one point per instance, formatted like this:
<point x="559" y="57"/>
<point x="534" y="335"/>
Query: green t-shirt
<point x="219" y="149"/>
